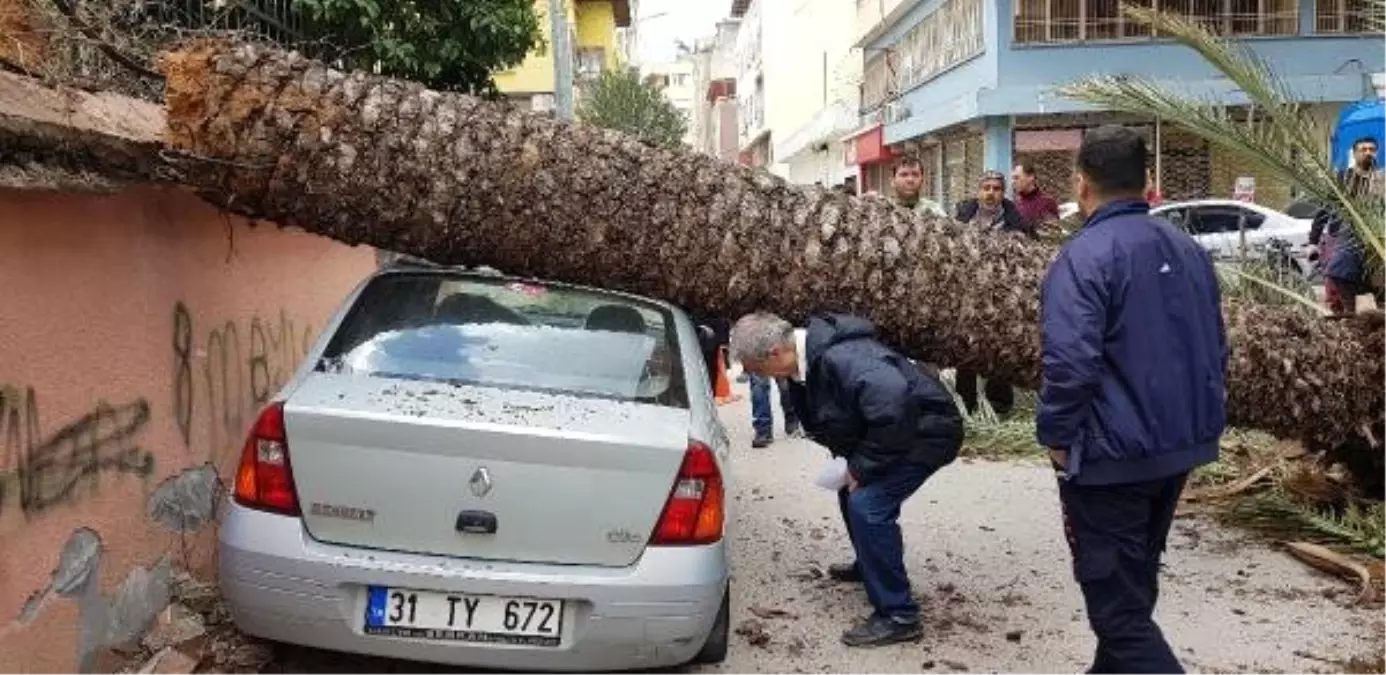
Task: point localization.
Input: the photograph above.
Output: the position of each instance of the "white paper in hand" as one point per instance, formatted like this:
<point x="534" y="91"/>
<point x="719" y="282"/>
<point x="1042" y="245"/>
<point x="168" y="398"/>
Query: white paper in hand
<point x="833" y="476"/>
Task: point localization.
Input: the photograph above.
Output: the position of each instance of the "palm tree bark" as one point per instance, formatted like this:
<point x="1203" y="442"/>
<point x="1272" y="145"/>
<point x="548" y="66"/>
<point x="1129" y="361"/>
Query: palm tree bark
<point x="457" y="180"/>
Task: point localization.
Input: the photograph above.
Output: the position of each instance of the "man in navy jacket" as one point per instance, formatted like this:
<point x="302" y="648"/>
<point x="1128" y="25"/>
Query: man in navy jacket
<point x="893" y="422"/>
<point x="1133" y="393"/>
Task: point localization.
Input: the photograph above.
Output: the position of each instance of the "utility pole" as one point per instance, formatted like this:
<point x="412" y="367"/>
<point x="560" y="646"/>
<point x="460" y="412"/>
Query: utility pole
<point x="562" y="60"/>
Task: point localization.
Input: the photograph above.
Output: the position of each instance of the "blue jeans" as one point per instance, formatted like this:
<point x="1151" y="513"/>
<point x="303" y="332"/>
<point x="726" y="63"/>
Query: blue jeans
<point x="872" y="514"/>
<point x="762" y="415"/>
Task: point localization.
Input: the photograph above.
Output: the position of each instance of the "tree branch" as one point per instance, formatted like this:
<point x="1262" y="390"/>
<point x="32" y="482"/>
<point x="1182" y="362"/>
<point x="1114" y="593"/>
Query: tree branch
<point x="106" y="48"/>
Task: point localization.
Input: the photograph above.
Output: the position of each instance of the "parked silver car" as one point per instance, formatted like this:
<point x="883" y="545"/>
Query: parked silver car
<point x="491" y="472"/>
<point x="1221" y="225"/>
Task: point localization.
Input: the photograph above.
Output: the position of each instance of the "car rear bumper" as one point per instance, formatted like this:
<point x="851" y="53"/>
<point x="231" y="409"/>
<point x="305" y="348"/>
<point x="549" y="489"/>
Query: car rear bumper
<point x="283" y="585"/>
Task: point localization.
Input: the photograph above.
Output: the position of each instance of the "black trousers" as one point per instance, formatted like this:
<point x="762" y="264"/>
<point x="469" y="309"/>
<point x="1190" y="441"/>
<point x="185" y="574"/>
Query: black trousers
<point x="999" y="393"/>
<point x="1117" y="534"/>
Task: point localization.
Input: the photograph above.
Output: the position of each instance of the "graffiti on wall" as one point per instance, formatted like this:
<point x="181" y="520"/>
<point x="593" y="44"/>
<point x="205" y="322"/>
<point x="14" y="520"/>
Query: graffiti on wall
<point x="242" y="365"/>
<point x="39" y="470"/>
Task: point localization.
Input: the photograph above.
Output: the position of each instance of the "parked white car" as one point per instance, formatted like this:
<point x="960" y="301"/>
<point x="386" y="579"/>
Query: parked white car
<point x="488" y="472"/>
<point x="1218" y="224"/>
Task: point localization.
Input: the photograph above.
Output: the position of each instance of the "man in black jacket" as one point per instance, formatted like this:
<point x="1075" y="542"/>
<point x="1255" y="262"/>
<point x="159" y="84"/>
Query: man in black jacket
<point x="895" y="425"/>
<point x="990" y="211"/>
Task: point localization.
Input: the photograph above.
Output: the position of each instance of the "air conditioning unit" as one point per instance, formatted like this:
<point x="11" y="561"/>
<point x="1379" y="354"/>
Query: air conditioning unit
<point x="896" y="111"/>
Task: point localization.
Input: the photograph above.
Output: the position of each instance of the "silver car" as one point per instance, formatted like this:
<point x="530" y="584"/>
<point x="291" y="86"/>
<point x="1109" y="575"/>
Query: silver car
<point x="1222" y="226"/>
<point x="489" y="472"/>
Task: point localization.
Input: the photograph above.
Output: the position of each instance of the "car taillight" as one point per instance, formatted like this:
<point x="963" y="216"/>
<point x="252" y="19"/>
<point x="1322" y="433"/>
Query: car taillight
<point x="696" y="506"/>
<point x="264" y="480"/>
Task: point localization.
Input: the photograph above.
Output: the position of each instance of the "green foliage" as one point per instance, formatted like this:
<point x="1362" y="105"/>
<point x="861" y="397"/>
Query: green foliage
<point x="450" y="45"/>
<point x="991" y="436"/>
<point x="1361" y="526"/>
<point x="618" y="99"/>
<point x="1267" y="284"/>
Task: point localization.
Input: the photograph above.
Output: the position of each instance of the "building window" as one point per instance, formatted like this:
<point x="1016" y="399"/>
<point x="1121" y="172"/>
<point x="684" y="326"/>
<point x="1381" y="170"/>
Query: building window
<point x="1058" y="21"/>
<point x="1343" y="16"/>
<point x="876" y="82"/>
<point x="590" y="62"/>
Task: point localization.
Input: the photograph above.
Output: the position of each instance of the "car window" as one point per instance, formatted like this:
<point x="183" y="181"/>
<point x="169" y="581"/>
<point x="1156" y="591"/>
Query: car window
<point x="496" y="332"/>
<point x="1216" y="219"/>
<point x="1232" y="219"/>
<point x="1177" y="217"/>
<point x="1302" y="208"/>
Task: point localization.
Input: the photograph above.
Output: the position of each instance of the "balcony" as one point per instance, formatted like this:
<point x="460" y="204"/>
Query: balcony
<point x="1070" y="21"/>
<point x="875" y="16"/>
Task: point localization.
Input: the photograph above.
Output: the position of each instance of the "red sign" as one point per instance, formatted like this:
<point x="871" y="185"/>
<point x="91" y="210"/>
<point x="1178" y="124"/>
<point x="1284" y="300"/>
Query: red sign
<point x="869" y="147"/>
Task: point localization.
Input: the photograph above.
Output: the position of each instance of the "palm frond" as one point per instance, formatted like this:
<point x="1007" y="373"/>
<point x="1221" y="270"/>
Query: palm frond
<point x="1276" y="137"/>
<point x="991" y="435"/>
<point x="1360" y="526"/>
<point x="1260" y="285"/>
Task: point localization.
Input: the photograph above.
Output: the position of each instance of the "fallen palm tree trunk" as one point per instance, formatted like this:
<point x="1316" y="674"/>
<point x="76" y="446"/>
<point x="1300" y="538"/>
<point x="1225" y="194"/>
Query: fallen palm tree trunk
<point x="456" y="180"/>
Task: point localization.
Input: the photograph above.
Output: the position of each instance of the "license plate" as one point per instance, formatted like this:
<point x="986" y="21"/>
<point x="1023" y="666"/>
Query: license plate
<point x="404" y="612"/>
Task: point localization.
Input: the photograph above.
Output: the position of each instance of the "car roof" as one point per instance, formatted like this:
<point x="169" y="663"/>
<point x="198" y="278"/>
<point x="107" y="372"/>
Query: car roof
<point x="1215" y="202"/>
<point x="1251" y="206"/>
<point x="489" y="274"/>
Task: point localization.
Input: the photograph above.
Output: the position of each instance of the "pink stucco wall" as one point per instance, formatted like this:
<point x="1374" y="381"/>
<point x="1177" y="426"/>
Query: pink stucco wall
<point x="111" y="306"/>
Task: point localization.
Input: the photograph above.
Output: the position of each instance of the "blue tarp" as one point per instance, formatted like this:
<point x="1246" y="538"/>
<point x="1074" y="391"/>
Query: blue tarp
<point x="1363" y="119"/>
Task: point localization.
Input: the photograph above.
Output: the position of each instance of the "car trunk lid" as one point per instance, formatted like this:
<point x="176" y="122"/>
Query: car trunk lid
<point x="421" y="466"/>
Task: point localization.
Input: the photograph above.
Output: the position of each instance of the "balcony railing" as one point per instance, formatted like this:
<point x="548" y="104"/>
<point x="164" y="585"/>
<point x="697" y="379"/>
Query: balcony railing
<point x="1346" y="16"/>
<point x="1061" y="21"/>
<point x="951" y="35"/>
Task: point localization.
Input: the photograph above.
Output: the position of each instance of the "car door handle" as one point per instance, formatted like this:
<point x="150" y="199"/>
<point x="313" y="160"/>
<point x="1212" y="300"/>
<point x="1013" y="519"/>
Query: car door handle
<point x="476" y="522"/>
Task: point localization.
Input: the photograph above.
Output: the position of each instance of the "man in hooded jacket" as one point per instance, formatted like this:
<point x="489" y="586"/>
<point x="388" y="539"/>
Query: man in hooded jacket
<point x="893" y="422"/>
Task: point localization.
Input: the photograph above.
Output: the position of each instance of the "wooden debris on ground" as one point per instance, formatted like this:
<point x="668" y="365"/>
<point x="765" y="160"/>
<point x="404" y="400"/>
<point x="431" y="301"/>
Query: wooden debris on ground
<point x="1337" y="564"/>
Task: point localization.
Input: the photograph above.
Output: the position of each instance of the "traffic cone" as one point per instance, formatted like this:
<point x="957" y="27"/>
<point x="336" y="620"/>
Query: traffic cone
<point x="721" y="386"/>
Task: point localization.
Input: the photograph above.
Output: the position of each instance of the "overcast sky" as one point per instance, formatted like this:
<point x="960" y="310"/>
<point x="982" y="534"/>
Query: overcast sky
<point x="662" y="22"/>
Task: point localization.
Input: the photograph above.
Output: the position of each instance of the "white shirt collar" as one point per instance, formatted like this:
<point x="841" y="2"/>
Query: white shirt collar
<point x="801" y="347"/>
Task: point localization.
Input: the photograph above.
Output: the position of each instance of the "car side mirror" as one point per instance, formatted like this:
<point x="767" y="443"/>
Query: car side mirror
<point x="707" y="338"/>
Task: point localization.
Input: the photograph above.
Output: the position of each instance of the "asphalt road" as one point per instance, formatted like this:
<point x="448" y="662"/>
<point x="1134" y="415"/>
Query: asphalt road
<point x="985" y="550"/>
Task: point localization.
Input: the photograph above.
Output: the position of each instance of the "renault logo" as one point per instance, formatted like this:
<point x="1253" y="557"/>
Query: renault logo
<point x="480" y="482"/>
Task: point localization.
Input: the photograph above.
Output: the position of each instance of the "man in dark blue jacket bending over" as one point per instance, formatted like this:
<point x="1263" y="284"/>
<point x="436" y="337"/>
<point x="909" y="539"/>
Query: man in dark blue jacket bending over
<point x="1133" y="393"/>
<point x="893" y="422"/>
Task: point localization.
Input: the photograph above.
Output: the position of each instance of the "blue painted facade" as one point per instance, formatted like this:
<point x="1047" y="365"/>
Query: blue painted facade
<point x="1010" y="79"/>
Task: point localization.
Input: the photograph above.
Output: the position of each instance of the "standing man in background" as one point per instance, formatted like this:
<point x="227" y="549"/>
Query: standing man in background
<point x="990" y="212"/>
<point x="1132" y="395"/>
<point x="907" y="188"/>
<point x="1034" y="204"/>
<point x="1346" y="270"/>
<point x="763" y="416"/>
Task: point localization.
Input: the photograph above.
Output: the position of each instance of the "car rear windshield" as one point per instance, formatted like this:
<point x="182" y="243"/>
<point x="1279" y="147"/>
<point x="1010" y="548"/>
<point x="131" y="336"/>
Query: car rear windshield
<point x="502" y="333"/>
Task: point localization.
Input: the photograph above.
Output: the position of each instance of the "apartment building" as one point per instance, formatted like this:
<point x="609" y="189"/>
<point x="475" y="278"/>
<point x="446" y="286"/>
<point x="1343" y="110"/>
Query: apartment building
<point x="714" y="128"/>
<point x="592" y="27"/>
<point x="967" y="84"/>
